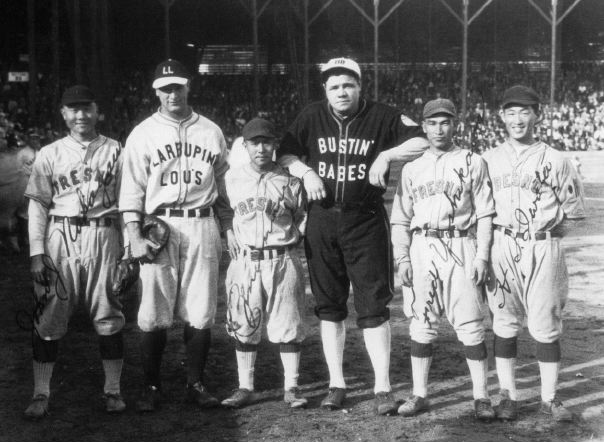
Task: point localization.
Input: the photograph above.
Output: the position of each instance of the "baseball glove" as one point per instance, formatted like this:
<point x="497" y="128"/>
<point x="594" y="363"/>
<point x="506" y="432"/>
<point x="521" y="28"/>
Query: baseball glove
<point x="126" y="274"/>
<point x="156" y="230"/>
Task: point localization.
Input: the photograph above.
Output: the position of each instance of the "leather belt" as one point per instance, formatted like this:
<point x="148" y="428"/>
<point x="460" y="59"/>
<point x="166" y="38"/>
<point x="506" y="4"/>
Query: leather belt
<point x="435" y="233"/>
<point x="184" y="213"/>
<point x="259" y="254"/>
<point x="81" y="221"/>
<point x="537" y="236"/>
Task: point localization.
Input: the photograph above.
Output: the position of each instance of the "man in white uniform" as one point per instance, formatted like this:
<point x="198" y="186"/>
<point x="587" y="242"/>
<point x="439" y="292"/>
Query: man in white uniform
<point x="174" y="168"/>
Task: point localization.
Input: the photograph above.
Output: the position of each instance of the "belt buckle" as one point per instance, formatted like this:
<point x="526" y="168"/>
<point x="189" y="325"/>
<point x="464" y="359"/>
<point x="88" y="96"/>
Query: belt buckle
<point x="256" y="255"/>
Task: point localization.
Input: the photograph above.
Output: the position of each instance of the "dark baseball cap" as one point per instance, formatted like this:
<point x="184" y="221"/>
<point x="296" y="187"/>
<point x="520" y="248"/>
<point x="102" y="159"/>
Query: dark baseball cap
<point x="439" y="106"/>
<point x="520" y="95"/>
<point x="78" y="94"/>
<point x="258" y="127"/>
<point x="170" y="72"/>
<point x="343" y="64"/>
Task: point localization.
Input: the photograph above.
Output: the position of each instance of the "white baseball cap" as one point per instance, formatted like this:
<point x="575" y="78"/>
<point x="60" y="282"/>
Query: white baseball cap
<point x="346" y="64"/>
<point x="170" y="72"/>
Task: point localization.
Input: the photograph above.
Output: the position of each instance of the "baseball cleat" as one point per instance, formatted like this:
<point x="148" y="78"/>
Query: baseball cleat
<point x="413" y="406"/>
<point x="149" y="399"/>
<point x="484" y="410"/>
<point x="38" y="408"/>
<point x="556" y="410"/>
<point x="507" y="410"/>
<point x="384" y="402"/>
<point x="240" y="398"/>
<point x="293" y="398"/>
<point x="198" y="394"/>
<point x="334" y="399"/>
<point x="114" y="403"/>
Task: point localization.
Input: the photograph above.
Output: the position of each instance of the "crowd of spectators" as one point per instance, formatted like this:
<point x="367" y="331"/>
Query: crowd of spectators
<point x="575" y="123"/>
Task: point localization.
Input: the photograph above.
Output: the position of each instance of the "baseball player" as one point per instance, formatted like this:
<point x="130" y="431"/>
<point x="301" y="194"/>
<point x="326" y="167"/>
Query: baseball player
<point x="265" y="280"/>
<point x="536" y="190"/>
<point x="441" y="233"/>
<point x="348" y="143"/>
<point x="75" y="244"/>
<point x="174" y="166"/>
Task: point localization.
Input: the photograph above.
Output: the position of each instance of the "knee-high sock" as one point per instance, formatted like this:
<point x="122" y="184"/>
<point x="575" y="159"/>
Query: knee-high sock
<point x="113" y="374"/>
<point x="549" y="355"/>
<point x="377" y="342"/>
<point x="506" y="350"/>
<point x="478" y="373"/>
<point x="421" y="359"/>
<point x="333" y="336"/>
<point x="44" y="354"/>
<point x="42" y="376"/>
<point x="246" y="360"/>
<point x="152" y="349"/>
<point x="290" y="358"/>
<point x="198" y="343"/>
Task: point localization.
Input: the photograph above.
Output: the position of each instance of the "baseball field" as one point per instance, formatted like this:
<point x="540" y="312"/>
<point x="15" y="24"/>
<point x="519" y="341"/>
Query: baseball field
<point x="77" y="407"/>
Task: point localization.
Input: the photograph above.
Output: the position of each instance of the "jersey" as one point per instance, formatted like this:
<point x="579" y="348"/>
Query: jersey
<point x="342" y="151"/>
<point x="269" y="208"/>
<point x="174" y="164"/>
<point x="534" y="191"/>
<point x="265" y="283"/>
<point x="70" y="179"/>
<point x="74" y="180"/>
<point x="448" y="192"/>
<point x="15" y="169"/>
<point x="171" y="164"/>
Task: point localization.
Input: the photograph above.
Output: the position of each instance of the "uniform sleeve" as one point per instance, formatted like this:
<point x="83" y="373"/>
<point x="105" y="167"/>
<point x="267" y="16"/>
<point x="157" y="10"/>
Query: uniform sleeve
<point x="400" y="218"/>
<point x="221" y="205"/>
<point x="570" y="191"/>
<point x="135" y="175"/>
<point x="482" y="188"/>
<point x="37" y="221"/>
<point x="39" y="186"/>
<point x="404" y="128"/>
<point x="301" y="212"/>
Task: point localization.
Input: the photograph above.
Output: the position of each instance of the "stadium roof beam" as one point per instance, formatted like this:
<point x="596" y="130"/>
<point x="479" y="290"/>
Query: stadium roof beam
<point x="465" y="22"/>
<point x="376" y="22"/>
<point x="307" y="22"/>
<point x="554" y="21"/>
<point x="167" y="5"/>
<point x="256" y="14"/>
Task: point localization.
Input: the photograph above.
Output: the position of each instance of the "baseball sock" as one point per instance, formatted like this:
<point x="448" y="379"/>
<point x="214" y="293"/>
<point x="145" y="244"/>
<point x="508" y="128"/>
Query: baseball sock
<point x="246" y="360"/>
<point x="506" y="350"/>
<point x="377" y="342"/>
<point x="198" y="345"/>
<point x="42" y="376"/>
<point x="290" y="358"/>
<point x="152" y="349"/>
<point x="45" y="354"/>
<point x="333" y="336"/>
<point x="421" y="359"/>
<point x="548" y="356"/>
<point x="476" y="357"/>
<point x="113" y="373"/>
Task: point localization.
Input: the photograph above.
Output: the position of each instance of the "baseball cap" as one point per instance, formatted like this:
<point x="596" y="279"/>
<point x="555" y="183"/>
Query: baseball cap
<point x="522" y="95"/>
<point x="258" y="127"/>
<point x="439" y="106"/>
<point x="170" y="72"/>
<point x="77" y="94"/>
<point x="346" y="64"/>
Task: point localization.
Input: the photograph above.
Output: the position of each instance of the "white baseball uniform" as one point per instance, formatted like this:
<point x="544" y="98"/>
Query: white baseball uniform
<point x="265" y="284"/>
<point x="439" y="199"/>
<point x="175" y="169"/>
<point x="73" y="221"/>
<point x="534" y="191"/>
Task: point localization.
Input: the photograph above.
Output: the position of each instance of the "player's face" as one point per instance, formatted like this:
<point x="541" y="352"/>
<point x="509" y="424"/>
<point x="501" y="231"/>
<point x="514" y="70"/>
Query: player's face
<point x="343" y="93"/>
<point x="173" y="100"/>
<point x="81" y="119"/>
<point x="260" y="150"/>
<point x="519" y="122"/>
<point x="439" y="130"/>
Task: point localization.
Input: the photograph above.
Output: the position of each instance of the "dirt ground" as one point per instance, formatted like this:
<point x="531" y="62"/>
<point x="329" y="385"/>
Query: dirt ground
<point x="76" y="405"/>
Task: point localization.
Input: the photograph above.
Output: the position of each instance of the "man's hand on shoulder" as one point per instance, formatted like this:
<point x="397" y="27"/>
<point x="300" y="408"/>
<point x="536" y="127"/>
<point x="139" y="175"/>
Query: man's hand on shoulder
<point x="315" y="188"/>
